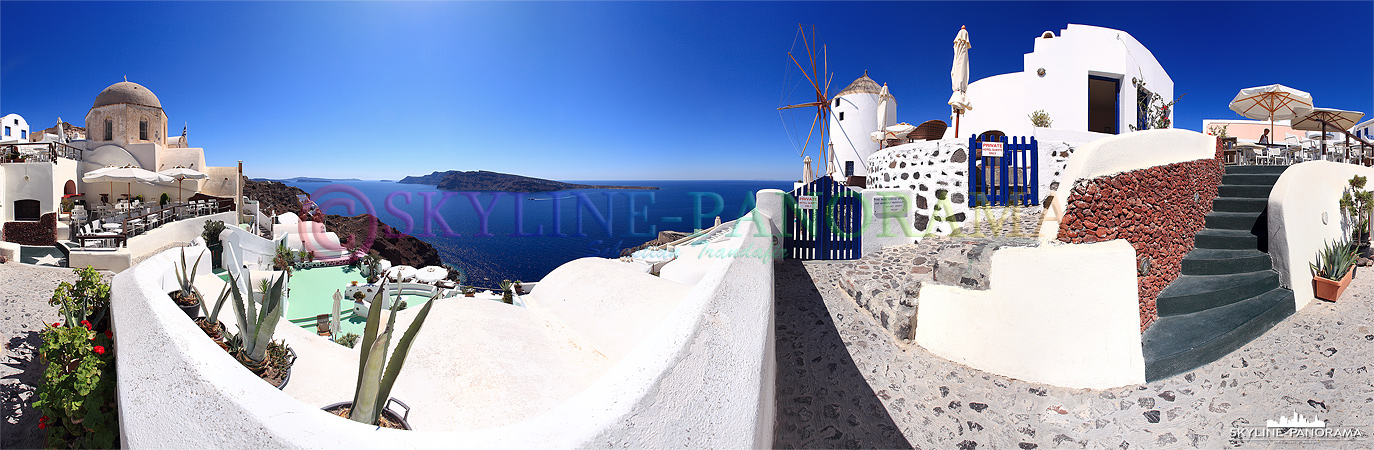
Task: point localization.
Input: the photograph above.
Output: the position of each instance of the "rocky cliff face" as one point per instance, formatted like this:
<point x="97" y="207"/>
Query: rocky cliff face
<point x="399" y="248"/>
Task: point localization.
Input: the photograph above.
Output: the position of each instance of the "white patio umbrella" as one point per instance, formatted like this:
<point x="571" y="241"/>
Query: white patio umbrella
<point x="129" y="175"/>
<point x="182" y="173"/>
<point x="959" y="77"/>
<point x="883" y="97"/>
<point x="1273" y="102"/>
<point x="430" y="274"/>
<point x="1320" y="118"/>
<point x="401" y="272"/>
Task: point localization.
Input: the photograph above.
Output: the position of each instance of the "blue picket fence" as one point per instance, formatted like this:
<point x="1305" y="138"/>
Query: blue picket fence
<point x="823" y="220"/>
<point x="1009" y="180"/>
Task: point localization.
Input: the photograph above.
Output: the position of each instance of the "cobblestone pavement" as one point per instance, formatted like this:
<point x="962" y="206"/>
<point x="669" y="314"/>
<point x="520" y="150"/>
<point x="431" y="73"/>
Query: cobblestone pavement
<point x="24" y="293"/>
<point x="1315" y="363"/>
<point x="1018" y="221"/>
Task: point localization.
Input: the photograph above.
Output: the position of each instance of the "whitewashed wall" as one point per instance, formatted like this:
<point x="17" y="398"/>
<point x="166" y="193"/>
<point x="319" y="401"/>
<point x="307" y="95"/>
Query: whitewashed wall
<point x="187" y="393"/>
<point x="1304" y="214"/>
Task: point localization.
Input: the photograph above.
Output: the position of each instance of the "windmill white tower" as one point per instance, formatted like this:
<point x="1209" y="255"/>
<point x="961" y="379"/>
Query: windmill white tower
<point x="854" y="116"/>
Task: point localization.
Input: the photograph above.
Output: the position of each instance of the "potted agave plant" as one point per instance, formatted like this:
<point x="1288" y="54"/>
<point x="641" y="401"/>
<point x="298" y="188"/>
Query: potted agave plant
<point x="376" y="375"/>
<point x="210" y="324"/>
<point x="187" y="297"/>
<point x="1332" y="272"/>
<point x="253" y="346"/>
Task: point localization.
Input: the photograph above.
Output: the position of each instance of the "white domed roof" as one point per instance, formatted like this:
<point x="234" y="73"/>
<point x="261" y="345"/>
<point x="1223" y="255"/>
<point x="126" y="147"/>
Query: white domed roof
<point x="126" y="92"/>
<point x="109" y="155"/>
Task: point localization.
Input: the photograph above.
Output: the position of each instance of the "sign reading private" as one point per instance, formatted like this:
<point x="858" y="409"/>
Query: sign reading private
<point x="992" y="149"/>
<point x="806" y="201"/>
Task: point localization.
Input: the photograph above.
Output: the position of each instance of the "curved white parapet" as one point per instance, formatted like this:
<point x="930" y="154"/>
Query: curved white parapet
<point x="1304" y="213"/>
<point x="1065" y="315"/>
<point x="1121" y="153"/>
<point x="178" y="389"/>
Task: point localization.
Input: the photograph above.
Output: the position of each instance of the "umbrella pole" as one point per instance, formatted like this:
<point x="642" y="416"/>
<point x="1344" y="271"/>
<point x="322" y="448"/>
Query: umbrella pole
<point x="1323" y="140"/>
<point x="957" y="114"/>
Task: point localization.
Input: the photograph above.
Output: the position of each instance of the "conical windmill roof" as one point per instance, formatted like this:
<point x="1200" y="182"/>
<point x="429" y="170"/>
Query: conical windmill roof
<point x="863" y="85"/>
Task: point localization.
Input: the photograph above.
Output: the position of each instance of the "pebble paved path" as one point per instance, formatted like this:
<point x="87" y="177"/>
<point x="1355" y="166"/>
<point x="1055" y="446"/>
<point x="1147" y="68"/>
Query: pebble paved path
<point x="24" y="293"/>
<point x="844" y="382"/>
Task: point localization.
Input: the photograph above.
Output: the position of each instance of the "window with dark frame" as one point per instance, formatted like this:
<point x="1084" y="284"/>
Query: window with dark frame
<point x="849" y="168"/>
<point x="109" y="130"/>
<point x="841" y="115"/>
<point x="143" y="130"/>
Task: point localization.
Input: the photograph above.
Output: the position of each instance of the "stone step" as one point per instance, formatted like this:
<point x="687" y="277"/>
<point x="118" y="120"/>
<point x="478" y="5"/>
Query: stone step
<point x="1255" y="169"/>
<point x="1226" y="239"/>
<point x="1267" y="179"/>
<point x="1244" y="190"/>
<point x="1240" y="204"/>
<point x="1225" y="220"/>
<point x="1211" y="261"/>
<point x="1192" y="293"/>
<point x="1177" y="344"/>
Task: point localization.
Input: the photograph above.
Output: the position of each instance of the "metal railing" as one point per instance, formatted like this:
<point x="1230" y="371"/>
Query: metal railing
<point x="38" y="152"/>
<point x="131" y="224"/>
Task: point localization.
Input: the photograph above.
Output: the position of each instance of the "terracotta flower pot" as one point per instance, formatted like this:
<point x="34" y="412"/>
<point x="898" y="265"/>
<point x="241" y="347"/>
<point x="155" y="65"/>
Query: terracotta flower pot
<point x="1329" y="290"/>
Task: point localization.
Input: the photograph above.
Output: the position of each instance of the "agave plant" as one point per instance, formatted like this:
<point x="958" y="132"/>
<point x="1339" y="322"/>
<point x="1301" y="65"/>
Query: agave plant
<point x="376" y="376"/>
<point x="506" y="292"/>
<point x="1334" y="260"/>
<point x="256" y="325"/>
<point x="187" y="294"/>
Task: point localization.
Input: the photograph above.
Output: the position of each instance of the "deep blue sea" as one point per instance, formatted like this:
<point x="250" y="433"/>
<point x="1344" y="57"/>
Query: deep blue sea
<point x="526" y="235"/>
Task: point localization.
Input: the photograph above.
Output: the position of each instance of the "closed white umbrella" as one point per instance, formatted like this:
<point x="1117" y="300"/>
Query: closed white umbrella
<point x="883" y="97"/>
<point x="959" y="77"/>
<point x="334" y="318"/>
<point x="182" y="173"/>
<point x="1274" y="102"/>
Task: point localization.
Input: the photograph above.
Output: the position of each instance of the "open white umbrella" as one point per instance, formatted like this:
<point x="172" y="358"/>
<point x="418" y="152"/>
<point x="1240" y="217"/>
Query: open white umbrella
<point x="430" y="274"/>
<point x="128" y="175"/>
<point x="401" y="272"/>
<point x="182" y="173"/>
<point x="1322" y="119"/>
<point x="959" y="77"/>
<point x="1273" y="102"/>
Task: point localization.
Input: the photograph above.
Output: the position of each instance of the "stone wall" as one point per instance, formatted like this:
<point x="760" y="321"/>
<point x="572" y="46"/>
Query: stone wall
<point x="938" y="170"/>
<point x="1158" y="210"/>
<point x="43" y="232"/>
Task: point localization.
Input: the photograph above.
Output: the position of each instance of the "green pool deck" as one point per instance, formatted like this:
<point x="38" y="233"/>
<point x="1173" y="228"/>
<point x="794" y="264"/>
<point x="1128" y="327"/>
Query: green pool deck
<point x="312" y="294"/>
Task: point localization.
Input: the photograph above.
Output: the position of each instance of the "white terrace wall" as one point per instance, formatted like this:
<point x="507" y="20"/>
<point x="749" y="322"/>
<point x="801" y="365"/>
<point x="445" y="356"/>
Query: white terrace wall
<point x="703" y="378"/>
<point x="1064" y="315"/>
<point x="929" y="167"/>
<point x="1304" y="213"/>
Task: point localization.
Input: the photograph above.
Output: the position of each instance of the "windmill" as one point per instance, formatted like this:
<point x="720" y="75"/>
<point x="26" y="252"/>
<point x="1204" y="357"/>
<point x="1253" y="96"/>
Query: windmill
<point x="820" y="83"/>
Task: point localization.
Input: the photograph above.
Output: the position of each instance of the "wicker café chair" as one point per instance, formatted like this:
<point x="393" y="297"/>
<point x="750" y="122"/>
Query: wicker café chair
<point x="928" y="131"/>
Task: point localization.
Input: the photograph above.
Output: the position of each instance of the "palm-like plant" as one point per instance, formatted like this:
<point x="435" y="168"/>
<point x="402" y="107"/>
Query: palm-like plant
<point x="376" y="376"/>
<point x="256" y="325"/>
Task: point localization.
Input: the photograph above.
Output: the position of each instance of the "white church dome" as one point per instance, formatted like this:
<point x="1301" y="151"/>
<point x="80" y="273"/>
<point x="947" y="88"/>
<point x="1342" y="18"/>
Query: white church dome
<point x="126" y="92"/>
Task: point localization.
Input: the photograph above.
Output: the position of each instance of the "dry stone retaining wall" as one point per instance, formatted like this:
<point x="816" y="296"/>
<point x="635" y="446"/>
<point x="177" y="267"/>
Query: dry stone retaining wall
<point x="1158" y="210"/>
<point x="937" y="171"/>
<point x="42" y="233"/>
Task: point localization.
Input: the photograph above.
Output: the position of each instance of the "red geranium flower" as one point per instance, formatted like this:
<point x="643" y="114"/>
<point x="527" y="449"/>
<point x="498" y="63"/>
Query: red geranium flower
<point x="42" y="425"/>
<point x="99" y="349"/>
<point x="86" y="323"/>
<point x="109" y="334"/>
<point x="55" y="325"/>
<point x="43" y="419"/>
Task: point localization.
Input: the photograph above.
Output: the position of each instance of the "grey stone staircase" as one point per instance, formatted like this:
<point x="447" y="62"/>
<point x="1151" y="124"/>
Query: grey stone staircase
<point x="1228" y="293"/>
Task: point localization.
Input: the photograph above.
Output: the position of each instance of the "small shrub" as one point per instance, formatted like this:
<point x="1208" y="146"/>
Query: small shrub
<point x="164" y="200"/>
<point x="348" y="340"/>
<point x="76" y="391"/>
<point x="211" y="232"/>
<point x="88" y="299"/>
<point x="1040" y="118"/>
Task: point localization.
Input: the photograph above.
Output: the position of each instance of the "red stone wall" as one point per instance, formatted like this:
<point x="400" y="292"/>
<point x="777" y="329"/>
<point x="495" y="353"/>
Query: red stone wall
<point x="42" y="232"/>
<point x="1154" y="209"/>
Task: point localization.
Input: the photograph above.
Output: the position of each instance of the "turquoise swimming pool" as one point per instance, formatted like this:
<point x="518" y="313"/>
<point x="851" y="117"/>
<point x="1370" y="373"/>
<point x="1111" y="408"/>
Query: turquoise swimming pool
<point x="312" y="294"/>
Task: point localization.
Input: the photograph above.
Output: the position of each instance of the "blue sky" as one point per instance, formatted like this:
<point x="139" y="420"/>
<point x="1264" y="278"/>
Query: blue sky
<point x="611" y="91"/>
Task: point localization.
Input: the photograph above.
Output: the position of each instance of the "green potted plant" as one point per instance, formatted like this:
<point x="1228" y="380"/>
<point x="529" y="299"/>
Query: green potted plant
<point x="256" y="326"/>
<point x="75" y="393"/>
<point x="469" y="291"/>
<point x="164" y="200"/>
<point x="86" y="301"/>
<point x="376" y="375"/>
<point x="210" y="324"/>
<point x="1356" y="202"/>
<point x="211" y="232"/>
<point x="187" y="297"/>
<point x="282" y="260"/>
<point x="507" y="294"/>
<point x="1332" y="272"/>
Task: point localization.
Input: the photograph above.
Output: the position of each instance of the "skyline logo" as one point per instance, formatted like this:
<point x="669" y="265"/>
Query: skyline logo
<point x="1298" y="421"/>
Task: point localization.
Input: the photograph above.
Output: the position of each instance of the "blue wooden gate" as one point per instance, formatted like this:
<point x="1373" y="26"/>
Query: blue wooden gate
<point x="823" y="221"/>
<point x="1012" y="179"/>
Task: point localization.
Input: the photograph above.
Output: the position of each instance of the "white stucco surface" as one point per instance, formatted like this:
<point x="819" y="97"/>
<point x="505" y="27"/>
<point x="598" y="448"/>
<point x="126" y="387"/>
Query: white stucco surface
<point x="1116" y="154"/>
<point x="702" y="376"/>
<point x="609" y="303"/>
<point x="1082" y="330"/>
<point x="1304" y="214"/>
<point x="883" y="227"/>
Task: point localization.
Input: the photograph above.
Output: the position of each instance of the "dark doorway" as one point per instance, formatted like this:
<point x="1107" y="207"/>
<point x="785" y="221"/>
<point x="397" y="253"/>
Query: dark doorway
<point x="26" y="210"/>
<point x="1103" y="107"/>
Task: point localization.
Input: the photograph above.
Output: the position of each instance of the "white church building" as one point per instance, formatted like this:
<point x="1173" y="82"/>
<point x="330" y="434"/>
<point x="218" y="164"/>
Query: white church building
<point x="1085" y="78"/>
